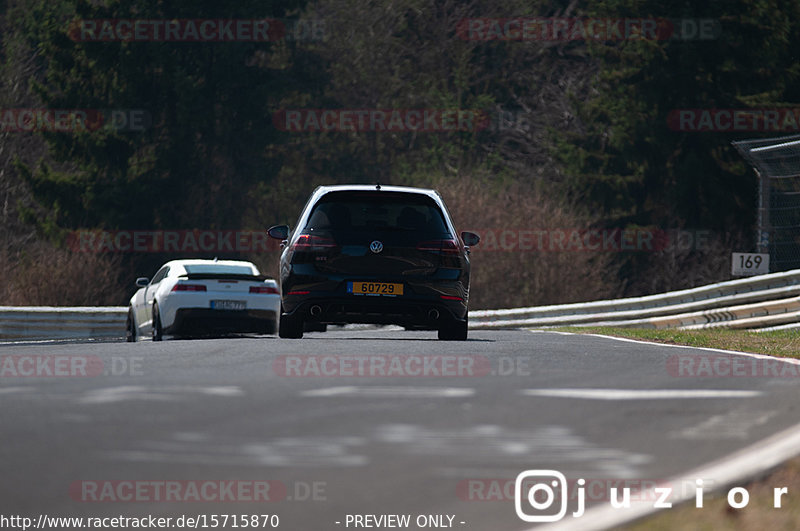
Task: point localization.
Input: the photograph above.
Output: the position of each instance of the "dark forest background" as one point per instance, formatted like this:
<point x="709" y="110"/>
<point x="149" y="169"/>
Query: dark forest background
<point x="578" y="135"/>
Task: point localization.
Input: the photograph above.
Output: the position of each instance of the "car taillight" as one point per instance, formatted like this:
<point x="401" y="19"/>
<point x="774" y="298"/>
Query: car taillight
<point x="450" y="298"/>
<point x="313" y="242"/>
<point x="439" y="246"/>
<point x="188" y="287"/>
<point x="263" y="289"/>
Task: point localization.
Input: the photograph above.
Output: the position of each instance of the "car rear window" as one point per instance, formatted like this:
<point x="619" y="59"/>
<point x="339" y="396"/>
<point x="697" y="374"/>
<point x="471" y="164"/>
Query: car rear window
<point x="219" y="269"/>
<point x="377" y="210"/>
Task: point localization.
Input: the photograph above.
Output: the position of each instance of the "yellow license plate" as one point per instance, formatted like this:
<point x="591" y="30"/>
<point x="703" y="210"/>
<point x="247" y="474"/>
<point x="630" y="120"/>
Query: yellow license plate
<point x="375" y="288"/>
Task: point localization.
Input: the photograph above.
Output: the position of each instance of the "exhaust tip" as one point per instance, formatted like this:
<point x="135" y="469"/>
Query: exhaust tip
<point x="433" y="314"/>
<point x="316" y="311"/>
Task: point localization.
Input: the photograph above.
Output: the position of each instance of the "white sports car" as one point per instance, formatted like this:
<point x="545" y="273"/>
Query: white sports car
<point x="200" y="297"/>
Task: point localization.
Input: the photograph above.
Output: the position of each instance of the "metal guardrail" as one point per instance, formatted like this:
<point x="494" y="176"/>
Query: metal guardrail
<point x="742" y="303"/>
<point x="765" y="302"/>
<point x="745" y="316"/>
<point x="56" y="322"/>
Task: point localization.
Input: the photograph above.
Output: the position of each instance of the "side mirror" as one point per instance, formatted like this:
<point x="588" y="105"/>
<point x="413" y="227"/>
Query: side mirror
<point x="142" y="282"/>
<point x="279" y="232"/>
<point x="470" y="238"/>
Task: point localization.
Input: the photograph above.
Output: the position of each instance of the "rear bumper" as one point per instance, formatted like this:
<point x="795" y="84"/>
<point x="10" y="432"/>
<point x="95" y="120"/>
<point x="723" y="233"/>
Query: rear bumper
<point x="379" y="310"/>
<point x="201" y="321"/>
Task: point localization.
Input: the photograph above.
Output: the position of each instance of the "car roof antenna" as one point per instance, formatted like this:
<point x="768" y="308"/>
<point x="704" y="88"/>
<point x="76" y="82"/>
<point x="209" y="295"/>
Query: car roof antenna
<point x="377" y="186"/>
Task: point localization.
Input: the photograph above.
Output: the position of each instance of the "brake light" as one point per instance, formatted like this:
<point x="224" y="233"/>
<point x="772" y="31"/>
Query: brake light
<point x="188" y="287"/>
<point x="299" y="292"/>
<point x="263" y="289"/>
<point x="450" y="298"/>
<point x="439" y="246"/>
<point x="313" y="242"/>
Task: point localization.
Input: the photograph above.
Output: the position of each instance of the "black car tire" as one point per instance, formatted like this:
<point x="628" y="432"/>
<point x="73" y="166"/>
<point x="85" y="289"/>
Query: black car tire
<point x="290" y="327"/>
<point x="130" y="328"/>
<point x="454" y="330"/>
<point x="158" y="332"/>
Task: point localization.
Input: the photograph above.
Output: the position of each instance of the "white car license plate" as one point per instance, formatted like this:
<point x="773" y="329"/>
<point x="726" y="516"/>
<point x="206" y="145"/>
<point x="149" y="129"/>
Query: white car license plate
<point x="228" y="305"/>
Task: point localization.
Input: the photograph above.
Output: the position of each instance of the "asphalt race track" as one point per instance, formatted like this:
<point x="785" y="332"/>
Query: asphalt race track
<point x="365" y="423"/>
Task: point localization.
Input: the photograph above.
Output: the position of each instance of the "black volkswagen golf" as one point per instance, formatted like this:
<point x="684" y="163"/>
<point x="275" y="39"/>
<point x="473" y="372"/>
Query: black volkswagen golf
<point x="375" y="254"/>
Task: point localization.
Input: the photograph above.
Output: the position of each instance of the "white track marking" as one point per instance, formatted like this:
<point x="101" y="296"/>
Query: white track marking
<point x="392" y="392"/>
<point x="732" y="425"/>
<point x="640" y="394"/>
<point x="111" y="395"/>
<point x="10" y="390"/>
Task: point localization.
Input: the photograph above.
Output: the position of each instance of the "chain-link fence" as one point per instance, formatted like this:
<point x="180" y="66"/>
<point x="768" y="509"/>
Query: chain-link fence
<point x="777" y="163"/>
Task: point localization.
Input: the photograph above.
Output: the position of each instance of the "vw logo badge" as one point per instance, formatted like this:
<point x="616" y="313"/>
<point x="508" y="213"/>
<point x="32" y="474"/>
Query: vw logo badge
<point x="376" y="247"/>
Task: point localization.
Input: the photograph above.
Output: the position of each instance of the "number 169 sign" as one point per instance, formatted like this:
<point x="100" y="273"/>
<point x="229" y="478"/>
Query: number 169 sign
<point x="748" y="264"/>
